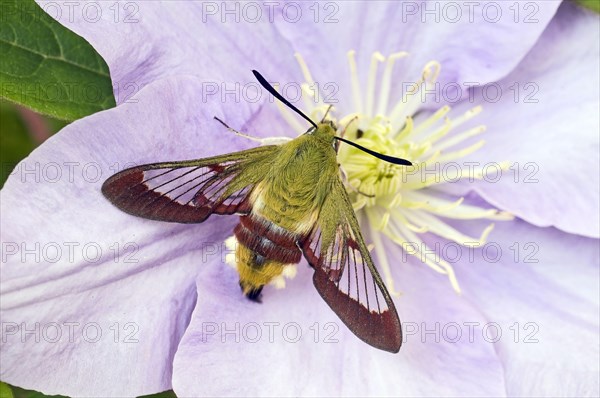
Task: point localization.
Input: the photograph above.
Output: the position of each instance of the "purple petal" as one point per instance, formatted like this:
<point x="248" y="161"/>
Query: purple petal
<point x="550" y="133"/>
<point x="55" y="222"/>
<point x="544" y="304"/>
<point x="171" y="121"/>
<point x="146" y="41"/>
<point x="293" y="345"/>
<point x="542" y="290"/>
<point x="476" y="43"/>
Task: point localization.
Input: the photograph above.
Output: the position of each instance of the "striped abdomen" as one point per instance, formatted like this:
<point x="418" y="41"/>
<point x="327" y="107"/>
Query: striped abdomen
<point x="263" y="250"/>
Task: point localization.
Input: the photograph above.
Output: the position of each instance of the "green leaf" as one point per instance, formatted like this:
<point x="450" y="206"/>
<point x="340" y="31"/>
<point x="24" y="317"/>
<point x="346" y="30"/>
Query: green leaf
<point x="5" y="391"/>
<point x="48" y="68"/>
<point x="16" y="140"/>
<point x="164" y="394"/>
<point x="22" y="393"/>
<point x="591" y="4"/>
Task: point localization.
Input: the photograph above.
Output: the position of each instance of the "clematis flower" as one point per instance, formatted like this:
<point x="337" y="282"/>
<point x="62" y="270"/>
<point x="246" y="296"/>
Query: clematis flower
<point x="98" y="303"/>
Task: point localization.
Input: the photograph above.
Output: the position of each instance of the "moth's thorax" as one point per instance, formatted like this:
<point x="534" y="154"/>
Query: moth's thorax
<point x="293" y="191"/>
<point x="325" y="131"/>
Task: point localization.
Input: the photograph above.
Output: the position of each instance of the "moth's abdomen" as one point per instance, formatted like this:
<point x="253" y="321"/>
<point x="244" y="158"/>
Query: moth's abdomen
<point x="267" y="239"/>
<point x="263" y="250"/>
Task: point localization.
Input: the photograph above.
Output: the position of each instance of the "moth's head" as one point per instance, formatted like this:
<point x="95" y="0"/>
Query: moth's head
<point x="325" y="130"/>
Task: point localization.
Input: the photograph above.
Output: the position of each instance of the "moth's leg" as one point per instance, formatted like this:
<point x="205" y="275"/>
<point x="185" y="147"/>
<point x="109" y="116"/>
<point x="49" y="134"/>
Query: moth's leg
<point x="352" y="187"/>
<point x="337" y="142"/>
<point x="274" y="140"/>
<point x="235" y="131"/>
<point x="355" y="118"/>
<point x="263" y="141"/>
<point x="326" y="112"/>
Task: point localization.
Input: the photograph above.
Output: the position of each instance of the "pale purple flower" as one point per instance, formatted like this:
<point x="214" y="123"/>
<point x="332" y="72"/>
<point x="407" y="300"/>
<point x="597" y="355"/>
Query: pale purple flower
<point x="168" y="308"/>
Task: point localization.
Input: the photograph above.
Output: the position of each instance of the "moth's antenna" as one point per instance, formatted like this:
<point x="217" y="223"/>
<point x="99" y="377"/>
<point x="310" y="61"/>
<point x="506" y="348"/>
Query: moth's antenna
<point x="226" y="125"/>
<point x="389" y="159"/>
<point x="263" y="82"/>
<point x="237" y="132"/>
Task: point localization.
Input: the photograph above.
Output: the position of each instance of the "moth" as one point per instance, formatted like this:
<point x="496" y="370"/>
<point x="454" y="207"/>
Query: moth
<point x="291" y="202"/>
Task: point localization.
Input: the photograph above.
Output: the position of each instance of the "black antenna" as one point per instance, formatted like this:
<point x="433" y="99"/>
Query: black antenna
<point x="378" y="155"/>
<point x="263" y="82"/>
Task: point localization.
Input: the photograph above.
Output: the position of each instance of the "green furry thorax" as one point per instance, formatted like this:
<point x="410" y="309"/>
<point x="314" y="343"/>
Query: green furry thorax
<point x="300" y="179"/>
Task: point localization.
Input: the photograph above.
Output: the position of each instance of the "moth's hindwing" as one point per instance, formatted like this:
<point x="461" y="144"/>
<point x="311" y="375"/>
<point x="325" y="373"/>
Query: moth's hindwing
<point x="346" y="277"/>
<point x="190" y="191"/>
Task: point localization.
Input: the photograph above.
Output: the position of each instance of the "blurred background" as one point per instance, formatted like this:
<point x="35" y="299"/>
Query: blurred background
<point x="21" y="131"/>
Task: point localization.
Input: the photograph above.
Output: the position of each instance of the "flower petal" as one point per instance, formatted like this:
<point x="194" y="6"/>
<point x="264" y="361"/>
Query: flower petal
<point x="145" y="41"/>
<point x="540" y="287"/>
<point x="476" y="43"/>
<point x="293" y="345"/>
<point x="71" y="258"/>
<point x="537" y="315"/>
<point x="550" y="132"/>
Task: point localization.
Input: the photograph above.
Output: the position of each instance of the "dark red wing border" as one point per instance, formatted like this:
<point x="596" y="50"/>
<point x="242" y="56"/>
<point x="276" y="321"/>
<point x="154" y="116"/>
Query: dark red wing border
<point x="190" y="191"/>
<point x="346" y="277"/>
<point x="376" y="326"/>
<point x="128" y="191"/>
<point x="381" y="330"/>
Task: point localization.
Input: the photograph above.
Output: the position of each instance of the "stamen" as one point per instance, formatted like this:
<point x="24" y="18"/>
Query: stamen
<point x="447" y="269"/>
<point x="450" y="142"/>
<point x="307" y="94"/>
<point x="305" y="71"/>
<point x="383" y="262"/>
<point x="462" y="153"/>
<point x="289" y="116"/>
<point x="410" y="102"/>
<point x="397" y="114"/>
<point x="396" y="201"/>
<point x="416" y="200"/>
<point x="406" y="131"/>
<point x="440" y="113"/>
<point x="309" y="83"/>
<point x="357" y="97"/>
<point x="413" y="245"/>
<point x="348" y="118"/>
<point x="375" y="59"/>
<point x="431" y="72"/>
<point x="386" y="81"/>
<point x="468" y="115"/>
<point x="441" y="132"/>
<point x="442" y="229"/>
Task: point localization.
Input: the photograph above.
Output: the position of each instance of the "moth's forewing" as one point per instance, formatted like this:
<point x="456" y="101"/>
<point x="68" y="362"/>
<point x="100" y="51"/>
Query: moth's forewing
<point x="190" y="191"/>
<point x="346" y="277"/>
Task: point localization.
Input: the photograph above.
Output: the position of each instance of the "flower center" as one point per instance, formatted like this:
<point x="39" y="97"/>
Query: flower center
<point x="399" y="202"/>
